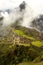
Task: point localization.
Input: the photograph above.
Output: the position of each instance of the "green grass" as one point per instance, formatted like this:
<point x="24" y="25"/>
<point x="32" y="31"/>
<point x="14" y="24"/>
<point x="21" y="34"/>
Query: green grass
<point x="22" y="34"/>
<point x="37" y="43"/>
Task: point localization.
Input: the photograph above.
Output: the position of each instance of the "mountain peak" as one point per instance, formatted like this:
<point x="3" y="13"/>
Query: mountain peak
<point x="22" y="5"/>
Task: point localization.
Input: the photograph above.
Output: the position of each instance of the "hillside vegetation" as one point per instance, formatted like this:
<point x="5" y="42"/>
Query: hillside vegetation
<point x="21" y="45"/>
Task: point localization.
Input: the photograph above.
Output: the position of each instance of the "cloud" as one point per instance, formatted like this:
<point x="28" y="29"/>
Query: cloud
<point x="16" y="15"/>
<point x="27" y="15"/>
<point x="36" y="5"/>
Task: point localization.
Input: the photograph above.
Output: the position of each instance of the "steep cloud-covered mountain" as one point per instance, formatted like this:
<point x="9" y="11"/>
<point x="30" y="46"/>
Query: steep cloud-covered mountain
<point x="19" y="39"/>
<point x="22" y="16"/>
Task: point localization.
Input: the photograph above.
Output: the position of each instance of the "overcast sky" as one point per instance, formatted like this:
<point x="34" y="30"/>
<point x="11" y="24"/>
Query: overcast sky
<point x="36" y="5"/>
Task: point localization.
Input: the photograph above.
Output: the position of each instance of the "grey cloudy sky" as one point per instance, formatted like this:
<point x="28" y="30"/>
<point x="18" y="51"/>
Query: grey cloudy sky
<point x="36" y="5"/>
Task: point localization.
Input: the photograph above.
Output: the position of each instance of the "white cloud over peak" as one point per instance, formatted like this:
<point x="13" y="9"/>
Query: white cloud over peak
<point x="36" y="5"/>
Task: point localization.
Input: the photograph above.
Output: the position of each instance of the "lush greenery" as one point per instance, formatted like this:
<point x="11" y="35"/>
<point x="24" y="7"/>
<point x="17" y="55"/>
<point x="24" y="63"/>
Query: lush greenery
<point x="15" y="54"/>
<point x="18" y="53"/>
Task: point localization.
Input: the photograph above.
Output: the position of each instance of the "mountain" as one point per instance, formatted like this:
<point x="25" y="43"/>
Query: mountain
<point x="38" y="23"/>
<point x="22" y="13"/>
<point x="21" y="45"/>
<point x="17" y="15"/>
<point x="20" y="41"/>
<point x="23" y="16"/>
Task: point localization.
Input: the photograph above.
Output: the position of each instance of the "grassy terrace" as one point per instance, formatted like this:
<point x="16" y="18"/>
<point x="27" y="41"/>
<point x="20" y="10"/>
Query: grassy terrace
<point x="20" y="32"/>
<point x="37" y="43"/>
<point x="23" y="44"/>
<point x="21" y="54"/>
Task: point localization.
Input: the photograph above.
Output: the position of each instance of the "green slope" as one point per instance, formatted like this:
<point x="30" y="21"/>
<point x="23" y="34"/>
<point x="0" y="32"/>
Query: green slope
<point x="35" y="41"/>
<point x="30" y="50"/>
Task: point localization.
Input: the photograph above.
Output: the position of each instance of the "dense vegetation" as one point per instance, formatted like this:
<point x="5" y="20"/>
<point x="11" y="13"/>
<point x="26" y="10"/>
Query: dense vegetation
<point x="21" y="45"/>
